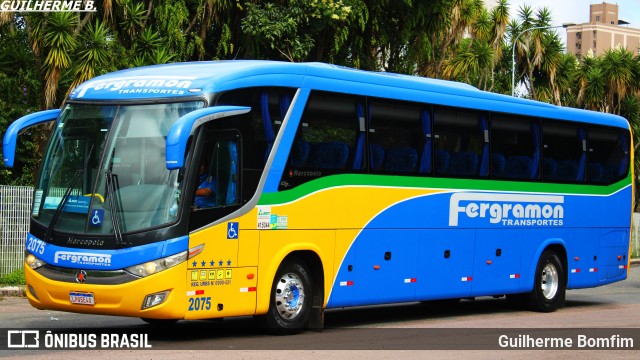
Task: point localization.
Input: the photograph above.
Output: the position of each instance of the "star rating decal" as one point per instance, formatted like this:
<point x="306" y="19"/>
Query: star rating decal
<point x="212" y="263"/>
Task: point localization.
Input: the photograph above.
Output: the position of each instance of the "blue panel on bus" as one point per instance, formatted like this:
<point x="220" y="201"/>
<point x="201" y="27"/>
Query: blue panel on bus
<point x="96" y="259"/>
<point x="11" y="135"/>
<point x="176" y="142"/>
<point x="487" y="243"/>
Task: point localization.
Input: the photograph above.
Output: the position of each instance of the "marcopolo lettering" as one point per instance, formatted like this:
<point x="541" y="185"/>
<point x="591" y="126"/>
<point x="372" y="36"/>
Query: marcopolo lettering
<point x="138" y="82"/>
<point x="82" y="258"/>
<point x="507" y="209"/>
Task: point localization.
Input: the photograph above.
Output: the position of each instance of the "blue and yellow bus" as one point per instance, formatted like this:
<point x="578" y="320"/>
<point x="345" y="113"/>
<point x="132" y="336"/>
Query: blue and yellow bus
<point x="233" y="188"/>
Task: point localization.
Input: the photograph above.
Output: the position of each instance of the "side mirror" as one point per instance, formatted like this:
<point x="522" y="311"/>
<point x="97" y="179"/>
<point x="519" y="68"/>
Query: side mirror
<point x="11" y="136"/>
<point x="184" y="127"/>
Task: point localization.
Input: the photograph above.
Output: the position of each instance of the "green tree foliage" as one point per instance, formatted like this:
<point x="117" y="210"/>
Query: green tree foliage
<point x="45" y="55"/>
<point x="299" y="30"/>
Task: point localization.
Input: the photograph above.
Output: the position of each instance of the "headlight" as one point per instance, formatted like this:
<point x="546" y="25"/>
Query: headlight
<point x="33" y="261"/>
<point x="156" y="266"/>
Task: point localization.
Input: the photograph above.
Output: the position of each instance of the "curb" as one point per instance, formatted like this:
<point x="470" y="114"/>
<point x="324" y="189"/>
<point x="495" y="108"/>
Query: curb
<point x="13" y="291"/>
<point x="20" y="291"/>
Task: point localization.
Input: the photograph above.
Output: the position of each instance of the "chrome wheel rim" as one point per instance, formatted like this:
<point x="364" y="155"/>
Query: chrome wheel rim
<point x="549" y="281"/>
<point x="289" y="296"/>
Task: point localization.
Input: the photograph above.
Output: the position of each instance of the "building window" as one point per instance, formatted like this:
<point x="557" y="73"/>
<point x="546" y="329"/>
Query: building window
<point x="597" y="18"/>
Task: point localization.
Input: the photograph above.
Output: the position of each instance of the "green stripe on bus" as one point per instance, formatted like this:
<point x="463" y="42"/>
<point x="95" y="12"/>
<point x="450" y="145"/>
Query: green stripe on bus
<point x="333" y="181"/>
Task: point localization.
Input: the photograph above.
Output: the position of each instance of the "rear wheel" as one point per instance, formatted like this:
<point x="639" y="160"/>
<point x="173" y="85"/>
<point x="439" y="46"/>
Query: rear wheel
<point x="291" y="298"/>
<point x="548" y="292"/>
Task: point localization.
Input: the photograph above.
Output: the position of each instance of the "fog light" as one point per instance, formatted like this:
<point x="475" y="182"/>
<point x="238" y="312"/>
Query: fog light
<point x="32" y="291"/>
<point x="155" y="299"/>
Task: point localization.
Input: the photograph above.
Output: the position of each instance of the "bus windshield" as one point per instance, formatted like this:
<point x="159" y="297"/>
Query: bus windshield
<point x="104" y="171"/>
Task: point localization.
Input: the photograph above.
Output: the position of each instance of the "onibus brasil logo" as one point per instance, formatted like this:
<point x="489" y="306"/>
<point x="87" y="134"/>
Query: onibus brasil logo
<point x="507" y="209"/>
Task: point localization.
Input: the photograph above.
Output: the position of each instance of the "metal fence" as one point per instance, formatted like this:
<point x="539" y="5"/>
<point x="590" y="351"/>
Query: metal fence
<point x="15" y="207"/>
<point x="635" y="242"/>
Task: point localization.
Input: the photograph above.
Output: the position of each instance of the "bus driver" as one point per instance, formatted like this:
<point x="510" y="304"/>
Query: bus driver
<point x="206" y="191"/>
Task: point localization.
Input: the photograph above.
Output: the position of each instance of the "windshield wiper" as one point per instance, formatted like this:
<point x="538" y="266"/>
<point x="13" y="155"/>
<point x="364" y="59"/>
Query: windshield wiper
<point x="62" y="203"/>
<point x="78" y="175"/>
<point x="115" y="205"/>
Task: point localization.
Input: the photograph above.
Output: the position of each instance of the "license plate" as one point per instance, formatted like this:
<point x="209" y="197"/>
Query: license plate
<point x="82" y="298"/>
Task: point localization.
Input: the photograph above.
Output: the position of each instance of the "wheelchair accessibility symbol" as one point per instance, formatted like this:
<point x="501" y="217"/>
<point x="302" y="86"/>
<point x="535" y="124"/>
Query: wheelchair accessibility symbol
<point x="96" y="218"/>
<point x="232" y="230"/>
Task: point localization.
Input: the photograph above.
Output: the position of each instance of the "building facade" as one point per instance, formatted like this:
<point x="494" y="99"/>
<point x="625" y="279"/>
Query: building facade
<point x="603" y="31"/>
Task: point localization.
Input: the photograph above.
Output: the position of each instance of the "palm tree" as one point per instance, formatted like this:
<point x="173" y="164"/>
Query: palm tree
<point x="59" y="42"/>
<point x="446" y="28"/>
<point x="594" y="91"/>
<point x="618" y="69"/>
<point x="499" y="21"/>
<point x="531" y="48"/>
<point x="546" y="77"/>
<point x="564" y="91"/>
<point x="472" y="61"/>
<point x="95" y="55"/>
<point x="133" y="20"/>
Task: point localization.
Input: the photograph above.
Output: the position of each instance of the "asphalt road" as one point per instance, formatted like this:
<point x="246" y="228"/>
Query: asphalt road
<point x="471" y="328"/>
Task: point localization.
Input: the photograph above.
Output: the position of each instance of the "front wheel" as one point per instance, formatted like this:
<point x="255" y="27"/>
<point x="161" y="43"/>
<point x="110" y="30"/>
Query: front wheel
<point x="291" y="297"/>
<point x="548" y="292"/>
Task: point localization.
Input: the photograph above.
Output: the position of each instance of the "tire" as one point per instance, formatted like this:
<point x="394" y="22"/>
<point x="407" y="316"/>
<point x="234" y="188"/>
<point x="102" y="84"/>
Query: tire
<point x="549" y="285"/>
<point x="291" y="299"/>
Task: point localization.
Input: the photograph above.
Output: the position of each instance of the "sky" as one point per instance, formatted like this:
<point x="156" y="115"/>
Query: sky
<point x="577" y="11"/>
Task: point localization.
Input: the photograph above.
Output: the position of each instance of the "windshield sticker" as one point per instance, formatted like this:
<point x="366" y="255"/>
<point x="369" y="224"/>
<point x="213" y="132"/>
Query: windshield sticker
<point x="52" y="202"/>
<point x="37" y="201"/>
<point x="96" y="218"/>
<point x="74" y="204"/>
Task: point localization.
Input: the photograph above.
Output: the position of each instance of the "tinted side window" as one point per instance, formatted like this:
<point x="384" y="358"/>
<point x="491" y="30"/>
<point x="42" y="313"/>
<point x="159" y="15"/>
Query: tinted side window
<point x="515" y="148"/>
<point x="268" y="108"/>
<point x="396" y="137"/>
<point x="564" y="152"/>
<point x="258" y="128"/>
<point x="330" y="139"/>
<point x="461" y="143"/>
<point x="608" y="154"/>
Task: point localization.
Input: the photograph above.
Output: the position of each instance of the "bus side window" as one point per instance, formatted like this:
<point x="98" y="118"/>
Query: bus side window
<point x="329" y="139"/>
<point x="564" y="152"/>
<point x="217" y="178"/>
<point x="515" y="148"/>
<point x="608" y="154"/>
<point x="396" y="138"/>
<point x="461" y="143"/>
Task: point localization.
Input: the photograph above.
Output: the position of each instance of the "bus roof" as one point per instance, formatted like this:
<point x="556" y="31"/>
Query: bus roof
<point x="198" y="78"/>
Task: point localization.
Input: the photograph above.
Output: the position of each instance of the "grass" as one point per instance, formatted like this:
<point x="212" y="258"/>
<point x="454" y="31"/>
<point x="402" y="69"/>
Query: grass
<point x="14" y="279"/>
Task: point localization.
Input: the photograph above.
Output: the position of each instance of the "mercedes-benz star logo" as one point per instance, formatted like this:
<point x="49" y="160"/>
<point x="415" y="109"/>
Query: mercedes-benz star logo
<point x="81" y="276"/>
